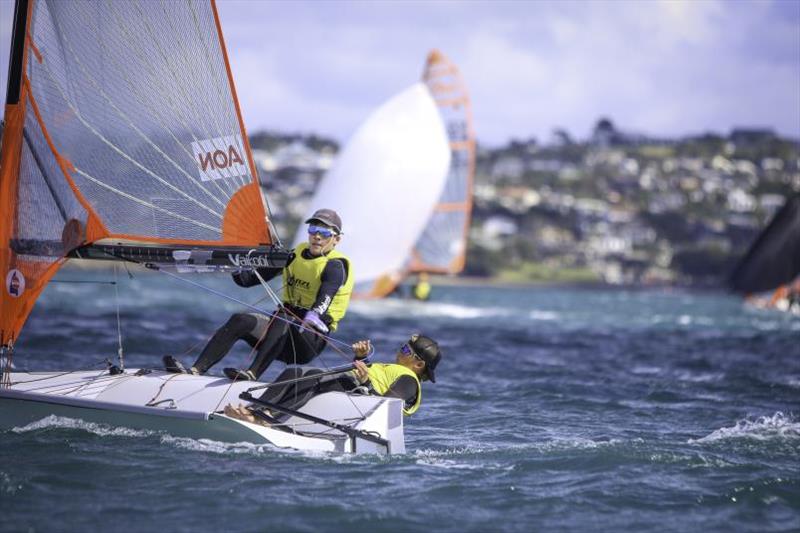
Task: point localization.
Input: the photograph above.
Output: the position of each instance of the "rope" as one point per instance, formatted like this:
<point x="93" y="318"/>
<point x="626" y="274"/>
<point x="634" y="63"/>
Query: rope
<point x="119" y="322"/>
<point x="296" y="322"/>
<point x="6" y="355"/>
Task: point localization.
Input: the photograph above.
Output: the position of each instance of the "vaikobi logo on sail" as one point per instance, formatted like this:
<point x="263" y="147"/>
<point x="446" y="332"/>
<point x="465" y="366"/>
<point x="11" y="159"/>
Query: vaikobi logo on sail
<point x="222" y="157"/>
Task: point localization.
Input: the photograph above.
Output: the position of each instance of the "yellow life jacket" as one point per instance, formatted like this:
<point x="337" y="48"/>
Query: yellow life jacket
<point x="422" y="290"/>
<point x="382" y="376"/>
<point x="302" y="280"/>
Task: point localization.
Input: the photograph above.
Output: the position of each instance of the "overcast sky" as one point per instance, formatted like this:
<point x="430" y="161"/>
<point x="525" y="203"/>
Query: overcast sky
<point x="664" y="68"/>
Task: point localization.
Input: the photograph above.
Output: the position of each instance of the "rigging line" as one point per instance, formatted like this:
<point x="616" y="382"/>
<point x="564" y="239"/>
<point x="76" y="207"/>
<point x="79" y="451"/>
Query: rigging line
<point x="69" y="386"/>
<point x="145" y="203"/>
<point x="165" y="94"/>
<point x="264" y="198"/>
<point x="330" y="372"/>
<point x="155" y="267"/>
<point x="119" y="322"/>
<point x="121" y="152"/>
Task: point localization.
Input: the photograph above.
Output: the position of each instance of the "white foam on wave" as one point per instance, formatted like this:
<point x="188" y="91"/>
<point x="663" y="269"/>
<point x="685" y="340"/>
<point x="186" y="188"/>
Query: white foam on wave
<point x="699" y="377"/>
<point x="763" y="428"/>
<point x="447" y="459"/>
<point x="544" y="316"/>
<point x="216" y="447"/>
<point x="391" y="308"/>
<point x="53" y="421"/>
<point x="8" y="485"/>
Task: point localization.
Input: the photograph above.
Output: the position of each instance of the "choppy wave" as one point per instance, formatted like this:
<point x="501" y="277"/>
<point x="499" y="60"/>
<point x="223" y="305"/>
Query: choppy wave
<point x="763" y="428"/>
<point x="62" y="422"/>
<point x="217" y="447"/>
<point x="9" y="485"/>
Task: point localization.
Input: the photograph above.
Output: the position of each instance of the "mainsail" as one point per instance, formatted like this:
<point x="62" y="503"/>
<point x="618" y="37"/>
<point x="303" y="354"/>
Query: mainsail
<point x="442" y="247"/>
<point x="773" y="260"/>
<point x="121" y="126"/>
<point x="384" y="184"/>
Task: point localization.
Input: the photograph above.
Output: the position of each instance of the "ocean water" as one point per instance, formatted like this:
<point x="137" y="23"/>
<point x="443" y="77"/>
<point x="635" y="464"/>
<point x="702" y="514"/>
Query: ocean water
<point x="555" y="409"/>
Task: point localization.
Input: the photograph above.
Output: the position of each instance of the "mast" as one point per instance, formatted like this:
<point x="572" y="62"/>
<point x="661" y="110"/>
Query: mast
<point x="16" y="52"/>
<point x="10" y="152"/>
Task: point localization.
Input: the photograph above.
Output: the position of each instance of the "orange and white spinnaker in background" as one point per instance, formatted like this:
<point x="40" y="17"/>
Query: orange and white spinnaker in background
<point x="403" y="183"/>
<point x="121" y="126"/>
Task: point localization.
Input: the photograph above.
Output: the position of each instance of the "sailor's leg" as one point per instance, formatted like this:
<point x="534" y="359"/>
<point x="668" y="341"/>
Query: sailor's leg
<point x="238" y="326"/>
<point x="298" y="395"/>
<point x="303" y="346"/>
<point x="275" y="393"/>
<point x="272" y="344"/>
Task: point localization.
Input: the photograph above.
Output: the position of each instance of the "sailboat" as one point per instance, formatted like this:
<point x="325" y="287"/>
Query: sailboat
<point x="772" y="263"/>
<point x="412" y="162"/>
<point x="124" y="141"/>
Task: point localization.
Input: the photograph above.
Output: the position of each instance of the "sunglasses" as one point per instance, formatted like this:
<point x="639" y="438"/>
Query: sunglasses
<point x="322" y="232"/>
<point x="406" y="350"/>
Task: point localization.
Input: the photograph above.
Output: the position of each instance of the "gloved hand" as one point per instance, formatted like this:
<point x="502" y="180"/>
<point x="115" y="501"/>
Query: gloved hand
<point x="312" y="318"/>
<point x="243" y="278"/>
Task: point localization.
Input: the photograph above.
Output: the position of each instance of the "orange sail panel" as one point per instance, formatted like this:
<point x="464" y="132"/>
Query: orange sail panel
<point x="124" y="124"/>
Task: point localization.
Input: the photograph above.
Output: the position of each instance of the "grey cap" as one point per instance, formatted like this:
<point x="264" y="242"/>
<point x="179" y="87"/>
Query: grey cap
<point x="329" y="217"/>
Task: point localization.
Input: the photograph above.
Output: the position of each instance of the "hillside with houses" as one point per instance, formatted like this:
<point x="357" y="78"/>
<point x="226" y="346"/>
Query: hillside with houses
<point x="615" y="208"/>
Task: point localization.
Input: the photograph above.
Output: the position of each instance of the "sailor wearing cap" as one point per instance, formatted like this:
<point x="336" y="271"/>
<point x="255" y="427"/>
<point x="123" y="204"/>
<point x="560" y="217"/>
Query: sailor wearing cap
<point x="317" y="284"/>
<point x="416" y="361"/>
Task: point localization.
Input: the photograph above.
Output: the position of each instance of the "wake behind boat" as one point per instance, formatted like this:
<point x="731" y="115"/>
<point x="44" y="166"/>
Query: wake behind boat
<point x="123" y="141"/>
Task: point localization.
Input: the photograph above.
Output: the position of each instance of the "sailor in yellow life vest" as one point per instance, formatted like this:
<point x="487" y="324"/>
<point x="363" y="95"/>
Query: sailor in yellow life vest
<point x="422" y="289"/>
<point x="317" y="284"/>
<point x="416" y="361"/>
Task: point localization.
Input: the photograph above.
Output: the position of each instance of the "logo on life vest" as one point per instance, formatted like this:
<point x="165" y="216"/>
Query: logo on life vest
<point x="223" y="157"/>
<point x="297" y="282"/>
<point x="15" y="283"/>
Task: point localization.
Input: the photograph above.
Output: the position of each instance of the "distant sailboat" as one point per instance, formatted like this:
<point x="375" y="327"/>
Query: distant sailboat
<point x="403" y="183"/>
<point x="124" y="141"/>
<point x="772" y="264"/>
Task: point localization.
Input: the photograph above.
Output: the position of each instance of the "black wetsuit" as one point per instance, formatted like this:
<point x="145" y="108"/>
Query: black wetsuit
<point x="273" y="337"/>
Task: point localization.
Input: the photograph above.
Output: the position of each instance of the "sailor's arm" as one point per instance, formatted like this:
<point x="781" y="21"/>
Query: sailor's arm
<point x="405" y="388"/>
<point x="332" y="278"/>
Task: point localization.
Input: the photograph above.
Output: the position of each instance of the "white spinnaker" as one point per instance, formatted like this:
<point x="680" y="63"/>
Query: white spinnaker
<point x="386" y="182"/>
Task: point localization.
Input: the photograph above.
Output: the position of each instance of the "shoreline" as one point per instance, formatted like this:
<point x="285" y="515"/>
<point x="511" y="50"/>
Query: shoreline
<point x="442" y="280"/>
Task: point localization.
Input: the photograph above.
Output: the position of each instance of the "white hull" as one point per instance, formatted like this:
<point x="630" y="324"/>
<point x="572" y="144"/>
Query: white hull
<point x="191" y="406"/>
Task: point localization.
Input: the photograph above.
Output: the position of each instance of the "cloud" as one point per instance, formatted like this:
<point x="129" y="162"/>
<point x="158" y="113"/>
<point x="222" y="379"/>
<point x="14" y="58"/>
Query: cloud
<point x="663" y="67"/>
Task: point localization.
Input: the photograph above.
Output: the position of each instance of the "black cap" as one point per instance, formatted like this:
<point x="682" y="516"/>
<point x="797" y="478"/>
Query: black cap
<point x="329" y="217"/>
<point x="429" y="351"/>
